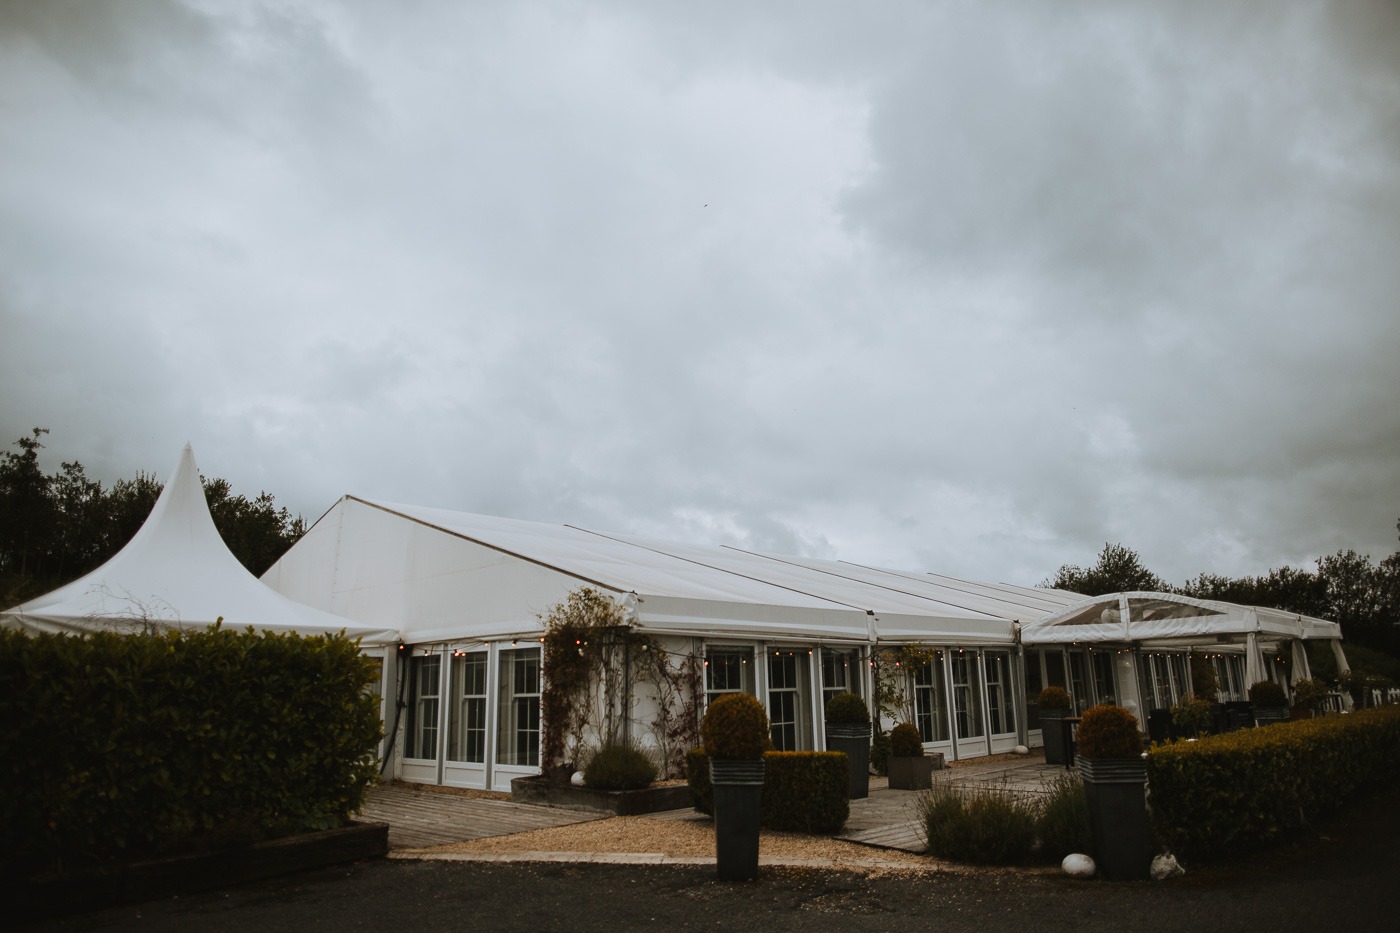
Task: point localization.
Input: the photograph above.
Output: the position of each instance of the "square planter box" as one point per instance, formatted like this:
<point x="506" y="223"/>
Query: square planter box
<point x="914" y="773"/>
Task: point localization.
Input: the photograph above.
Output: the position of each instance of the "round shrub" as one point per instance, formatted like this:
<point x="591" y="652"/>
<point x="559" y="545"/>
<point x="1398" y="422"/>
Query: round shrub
<point x="735" y="727"/>
<point x="1191" y="715"/>
<point x="1053" y="698"/>
<point x="1267" y="693"/>
<point x="847" y="709"/>
<point x="905" y="741"/>
<point x="1310" y="693"/>
<point x="619" y="766"/>
<point x="1109" y="732"/>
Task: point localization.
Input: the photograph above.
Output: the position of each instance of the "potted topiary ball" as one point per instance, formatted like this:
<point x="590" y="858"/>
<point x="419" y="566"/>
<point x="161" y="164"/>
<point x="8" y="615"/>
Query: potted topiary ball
<point x="848" y="730"/>
<point x="1270" y="702"/>
<point x="1054" y="706"/>
<point x="1115" y="777"/>
<point x="1192" y="717"/>
<point x="735" y="736"/>
<point x="1309" y="699"/>
<point x="909" y="767"/>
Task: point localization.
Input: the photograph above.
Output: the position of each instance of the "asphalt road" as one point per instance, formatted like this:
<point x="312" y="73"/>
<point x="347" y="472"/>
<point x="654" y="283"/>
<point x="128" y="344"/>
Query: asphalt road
<point x="1345" y="875"/>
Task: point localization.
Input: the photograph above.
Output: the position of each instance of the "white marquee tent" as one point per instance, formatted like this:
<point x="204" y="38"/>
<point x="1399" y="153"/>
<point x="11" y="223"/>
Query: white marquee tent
<point x="177" y="573"/>
<point x="441" y="576"/>
<point x="1169" y="620"/>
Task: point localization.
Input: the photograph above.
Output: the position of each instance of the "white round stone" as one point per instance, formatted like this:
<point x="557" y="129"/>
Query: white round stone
<point x="1020" y="750"/>
<point x="1078" y="866"/>
<point x="577" y="779"/>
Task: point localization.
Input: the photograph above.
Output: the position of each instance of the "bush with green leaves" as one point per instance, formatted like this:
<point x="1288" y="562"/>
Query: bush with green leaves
<point x="735" y="727"/>
<point x="905" y="741"/>
<point x="1239" y="791"/>
<point x="982" y="825"/>
<point x="1064" y="820"/>
<point x="697" y="776"/>
<point x="880" y="752"/>
<point x="1267" y="693"/>
<point x="847" y="709"/>
<point x="122" y="746"/>
<point x="619" y="766"/>
<point x="1192" y="716"/>
<point x="1108" y="732"/>
<point x="1311" y="694"/>
<point x="1053" y="697"/>
<point x="805" y="792"/>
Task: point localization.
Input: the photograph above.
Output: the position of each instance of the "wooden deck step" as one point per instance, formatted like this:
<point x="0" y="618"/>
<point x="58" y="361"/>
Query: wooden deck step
<point x="422" y="818"/>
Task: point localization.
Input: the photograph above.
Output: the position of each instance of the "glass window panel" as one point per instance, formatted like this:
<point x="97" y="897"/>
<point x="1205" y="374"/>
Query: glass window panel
<point x="423" y="675"/>
<point x="840" y="672"/>
<point x="1078" y="686"/>
<point x="1102" y="664"/>
<point x="931" y="701"/>
<point x="999" y="706"/>
<point x="1034" y="684"/>
<point x="466" y="740"/>
<point x="967" y="710"/>
<point x="728" y="670"/>
<point x="788" y="699"/>
<point x="518" y="732"/>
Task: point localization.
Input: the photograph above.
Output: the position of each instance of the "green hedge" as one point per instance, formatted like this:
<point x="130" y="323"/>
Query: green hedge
<point x="1236" y="792"/>
<point x="805" y="792"/>
<point x="123" y="746"/>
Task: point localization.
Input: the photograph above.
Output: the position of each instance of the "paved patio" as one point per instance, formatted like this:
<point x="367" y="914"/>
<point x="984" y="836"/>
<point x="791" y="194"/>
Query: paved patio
<point x="885" y="819"/>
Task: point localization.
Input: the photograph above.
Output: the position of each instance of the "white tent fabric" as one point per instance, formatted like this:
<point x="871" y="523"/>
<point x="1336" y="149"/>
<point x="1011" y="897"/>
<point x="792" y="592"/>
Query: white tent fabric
<point x="1163" y="619"/>
<point x="444" y="576"/>
<point x="177" y="573"/>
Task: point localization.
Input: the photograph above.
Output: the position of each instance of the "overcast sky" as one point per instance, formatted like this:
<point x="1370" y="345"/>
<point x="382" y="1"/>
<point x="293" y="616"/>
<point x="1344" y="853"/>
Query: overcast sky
<point x="959" y="287"/>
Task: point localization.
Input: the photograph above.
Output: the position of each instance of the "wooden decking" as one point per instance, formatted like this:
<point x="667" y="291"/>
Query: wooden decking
<point x="420" y="818"/>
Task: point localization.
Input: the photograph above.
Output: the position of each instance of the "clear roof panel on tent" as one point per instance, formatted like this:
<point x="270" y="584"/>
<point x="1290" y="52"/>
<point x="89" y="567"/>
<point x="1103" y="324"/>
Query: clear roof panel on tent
<point x="1163" y="618"/>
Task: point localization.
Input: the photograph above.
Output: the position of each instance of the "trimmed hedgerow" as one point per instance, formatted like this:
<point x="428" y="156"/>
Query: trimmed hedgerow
<point x="805" y="792"/>
<point x="123" y="746"/>
<point x="697" y="775"/>
<point x="619" y="766"/>
<point x="1240" y="791"/>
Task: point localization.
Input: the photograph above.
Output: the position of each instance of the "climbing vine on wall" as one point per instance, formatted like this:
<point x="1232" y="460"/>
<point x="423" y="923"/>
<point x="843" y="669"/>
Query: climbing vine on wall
<point x="594" y="660"/>
<point x="892" y="668"/>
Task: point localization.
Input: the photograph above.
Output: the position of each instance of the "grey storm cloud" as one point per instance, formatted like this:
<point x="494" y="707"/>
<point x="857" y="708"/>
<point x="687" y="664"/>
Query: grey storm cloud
<point x="937" y="286"/>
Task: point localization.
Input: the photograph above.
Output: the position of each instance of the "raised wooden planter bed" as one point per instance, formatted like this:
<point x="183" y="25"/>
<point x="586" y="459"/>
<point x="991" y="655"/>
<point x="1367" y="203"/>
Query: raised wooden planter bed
<point x="537" y="790"/>
<point x="149" y="880"/>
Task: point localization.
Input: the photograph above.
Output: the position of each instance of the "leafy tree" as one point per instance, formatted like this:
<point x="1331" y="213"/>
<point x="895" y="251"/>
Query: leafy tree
<point x="1118" y="569"/>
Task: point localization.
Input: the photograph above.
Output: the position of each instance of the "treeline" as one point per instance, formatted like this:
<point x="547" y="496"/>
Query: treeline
<point x="55" y="528"/>
<point x="1347" y="587"/>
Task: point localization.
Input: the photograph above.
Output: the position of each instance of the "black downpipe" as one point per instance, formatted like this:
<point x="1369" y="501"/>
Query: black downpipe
<point x="399" y="706"/>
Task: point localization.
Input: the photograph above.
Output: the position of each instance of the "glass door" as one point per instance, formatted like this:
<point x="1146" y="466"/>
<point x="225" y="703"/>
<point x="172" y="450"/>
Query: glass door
<point x="466" y="720"/>
<point x="970" y="730"/>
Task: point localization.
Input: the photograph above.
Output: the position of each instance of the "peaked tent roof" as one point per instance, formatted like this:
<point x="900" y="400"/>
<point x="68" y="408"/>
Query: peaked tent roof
<point x="1166" y="618"/>
<point x="177" y="573"/>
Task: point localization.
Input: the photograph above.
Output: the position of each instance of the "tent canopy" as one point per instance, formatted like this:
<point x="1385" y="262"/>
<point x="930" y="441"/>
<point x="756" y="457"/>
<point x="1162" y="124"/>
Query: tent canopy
<point x="441" y="575"/>
<point x="177" y="573"/>
<point x="1163" y="619"/>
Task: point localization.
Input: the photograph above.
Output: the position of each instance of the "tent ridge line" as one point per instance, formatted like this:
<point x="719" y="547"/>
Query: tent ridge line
<point x="742" y="576"/>
<point x="920" y="579"/>
<point x="839" y="576"/>
<point x="486" y="544"/>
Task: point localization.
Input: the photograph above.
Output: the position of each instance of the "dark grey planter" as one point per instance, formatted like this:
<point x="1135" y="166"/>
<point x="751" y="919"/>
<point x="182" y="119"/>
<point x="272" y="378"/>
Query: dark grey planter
<point x="911" y="773"/>
<point x="1116" y="792"/>
<point x="1052" y="735"/>
<point x="738" y="797"/>
<point x="854" y="740"/>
